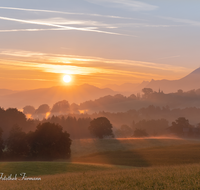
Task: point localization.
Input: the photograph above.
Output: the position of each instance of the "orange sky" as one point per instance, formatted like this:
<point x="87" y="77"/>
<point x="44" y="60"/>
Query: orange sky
<point x="99" y="42"/>
<point x="29" y="70"/>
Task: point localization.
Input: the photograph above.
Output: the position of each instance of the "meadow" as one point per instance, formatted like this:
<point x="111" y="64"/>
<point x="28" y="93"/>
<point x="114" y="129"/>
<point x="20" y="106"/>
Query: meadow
<point x="152" y="163"/>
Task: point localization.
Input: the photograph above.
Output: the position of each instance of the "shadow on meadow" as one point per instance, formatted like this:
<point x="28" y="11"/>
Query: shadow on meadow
<point x="108" y="151"/>
<point x="137" y="152"/>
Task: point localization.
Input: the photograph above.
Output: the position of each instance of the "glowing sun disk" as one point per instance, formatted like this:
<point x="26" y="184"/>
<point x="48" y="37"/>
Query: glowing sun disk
<point x="67" y="78"/>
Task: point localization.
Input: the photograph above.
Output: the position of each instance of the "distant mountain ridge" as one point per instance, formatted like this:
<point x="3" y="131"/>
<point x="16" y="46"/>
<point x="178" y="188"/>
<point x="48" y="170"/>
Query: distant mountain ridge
<point x="4" y="92"/>
<point x="49" y="96"/>
<point x="86" y="92"/>
<point x="128" y="88"/>
<point x="189" y="82"/>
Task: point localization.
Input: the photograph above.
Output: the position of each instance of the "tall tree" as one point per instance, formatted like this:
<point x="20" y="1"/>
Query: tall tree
<point x="16" y="144"/>
<point x="101" y="127"/>
<point x="1" y="143"/>
<point x="180" y="124"/>
<point x="147" y="92"/>
<point x="49" y="142"/>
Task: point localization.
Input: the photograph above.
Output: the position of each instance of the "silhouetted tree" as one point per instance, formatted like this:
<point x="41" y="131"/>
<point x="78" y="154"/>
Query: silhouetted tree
<point x="140" y="133"/>
<point x="43" y="109"/>
<point x="74" y="108"/>
<point x="11" y="117"/>
<point x="147" y="92"/>
<point x="180" y="91"/>
<point x="1" y="143"/>
<point x="16" y="144"/>
<point x="153" y="127"/>
<point x="132" y="97"/>
<point x="49" y="142"/>
<point x="28" y="110"/>
<point x="124" y="131"/>
<point x="61" y="107"/>
<point x="178" y="126"/>
<point x="101" y="127"/>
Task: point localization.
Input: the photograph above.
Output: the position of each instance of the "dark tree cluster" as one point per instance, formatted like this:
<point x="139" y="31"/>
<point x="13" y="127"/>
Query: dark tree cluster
<point x="140" y="133"/>
<point x="1" y="143"/>
<point x="47" y="142"/>
<point x="11" y="117"/>
<point x="150" y="127"/>
<point x="76" y="127"/>
<point x="124" y="131"/>
<point x="182" y="128"/>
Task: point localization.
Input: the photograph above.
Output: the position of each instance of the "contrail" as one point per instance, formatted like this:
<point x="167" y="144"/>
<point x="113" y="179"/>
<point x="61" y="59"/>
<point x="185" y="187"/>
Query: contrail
<point x="31" y="30"/>
<point x="58" y="26"/>
<point x="68" y="13"/>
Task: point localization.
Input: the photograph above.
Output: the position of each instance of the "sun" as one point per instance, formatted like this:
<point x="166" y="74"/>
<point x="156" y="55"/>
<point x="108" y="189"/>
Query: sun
<point x="67" y="78"/>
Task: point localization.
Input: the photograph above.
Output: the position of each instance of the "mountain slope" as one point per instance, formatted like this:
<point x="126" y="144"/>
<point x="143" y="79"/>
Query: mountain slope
<point x="52" y="95"/>
<point x="4" y="92"/>
<point x="186" y="83"/>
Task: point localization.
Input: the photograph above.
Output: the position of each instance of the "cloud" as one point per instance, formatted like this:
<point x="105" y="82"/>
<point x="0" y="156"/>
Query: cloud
<point x="30" y="30"/>
<point x="67" y="13"/>
<point x="185" y="21"/>
<point x="170" y="57"/>
<point x="84" y="65"/>
<point x="128" y="4"/>
<point x="63" y="21"/>
<point x="86" y="29"/>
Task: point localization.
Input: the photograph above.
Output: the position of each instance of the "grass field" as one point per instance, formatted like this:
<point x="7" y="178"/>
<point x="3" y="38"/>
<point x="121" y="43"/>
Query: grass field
<point x="50" y="168"/>
<point x="174" y="177"/>
<point x="117" y="164"/>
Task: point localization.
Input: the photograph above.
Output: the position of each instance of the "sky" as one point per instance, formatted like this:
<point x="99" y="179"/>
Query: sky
<point x="98" y="42"/>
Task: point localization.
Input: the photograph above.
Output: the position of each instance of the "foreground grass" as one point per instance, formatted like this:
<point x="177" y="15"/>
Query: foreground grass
<point x="174" y="177"/>
<point x="48" y="168"/>
<point x="159" y="164"/>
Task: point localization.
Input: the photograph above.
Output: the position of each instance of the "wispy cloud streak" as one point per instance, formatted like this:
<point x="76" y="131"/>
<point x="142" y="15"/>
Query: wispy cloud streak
<point x="87" y="29"/>
<point x="31" y="30"/>
<point x="93" y="64"/>
<point x="185" y="21"/>
<point x="67" y="13"/>
<point x="128" y="4"/>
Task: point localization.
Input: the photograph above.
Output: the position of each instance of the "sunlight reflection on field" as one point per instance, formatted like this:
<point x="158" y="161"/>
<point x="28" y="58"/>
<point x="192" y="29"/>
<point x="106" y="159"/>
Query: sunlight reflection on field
<point x="152" y="137"/>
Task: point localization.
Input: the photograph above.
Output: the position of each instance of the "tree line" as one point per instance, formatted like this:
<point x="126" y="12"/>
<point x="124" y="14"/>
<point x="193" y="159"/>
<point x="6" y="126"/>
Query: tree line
<point x="118" y="103"/>
<point x="17" y="130"/>
<point x="47" y="142"/>
<point x="153" y="119"/>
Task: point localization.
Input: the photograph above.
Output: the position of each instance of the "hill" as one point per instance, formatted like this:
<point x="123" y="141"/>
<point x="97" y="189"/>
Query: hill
<point x="4" y="92"/>
<point x="49" y="96"/>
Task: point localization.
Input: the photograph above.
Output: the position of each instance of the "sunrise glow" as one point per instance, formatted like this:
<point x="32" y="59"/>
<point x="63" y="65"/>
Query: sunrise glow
<point x="67" y="79"/>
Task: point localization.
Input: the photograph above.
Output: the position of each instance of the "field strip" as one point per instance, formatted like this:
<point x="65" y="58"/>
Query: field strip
<point x="104" y="165"/>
